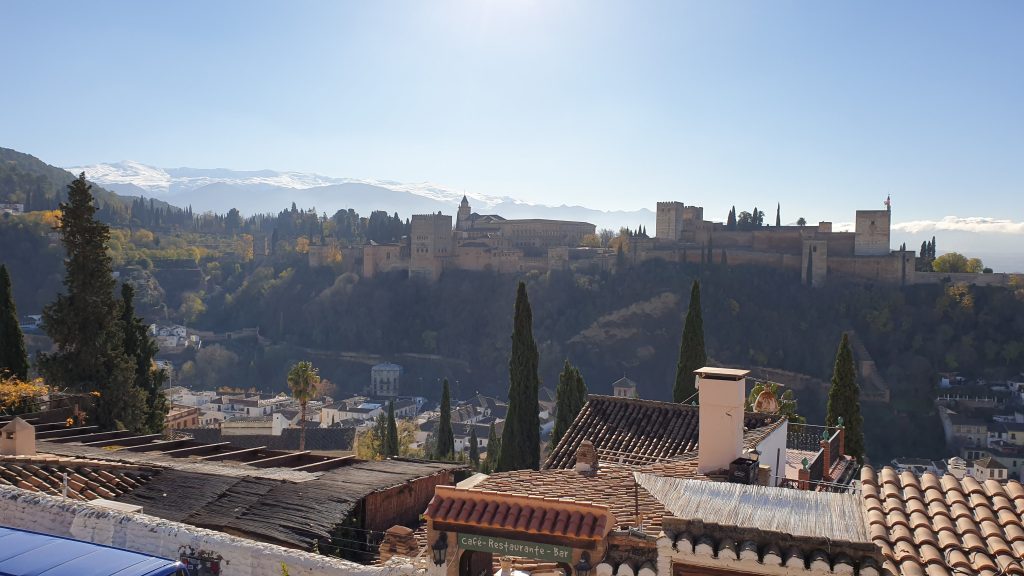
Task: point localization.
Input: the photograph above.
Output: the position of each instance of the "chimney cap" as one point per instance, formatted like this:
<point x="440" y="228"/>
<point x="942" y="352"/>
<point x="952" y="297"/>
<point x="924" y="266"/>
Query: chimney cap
<point x="721" y="373"/>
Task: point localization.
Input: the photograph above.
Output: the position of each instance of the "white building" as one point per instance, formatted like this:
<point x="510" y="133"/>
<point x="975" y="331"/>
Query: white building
<point x="258" y="425"/>
<point x="385" y="379"/>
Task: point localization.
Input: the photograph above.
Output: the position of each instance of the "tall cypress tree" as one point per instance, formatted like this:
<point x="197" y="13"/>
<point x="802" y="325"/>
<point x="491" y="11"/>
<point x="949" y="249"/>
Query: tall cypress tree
<point x="522" y="426"/>
<point x="493" y="449"/>
<point x="444" y="445"/>
<point x="84" y="323"/>
<point x="570" y="396"/>
<point x="474" y="450"/>
<point x="844" y="400"/>
<point x="778" y="214"/>
<point x="730" y="222"/>
<point x="13" y="358"/>
<point x="391" y="438"/>
<point x="141" y="349"/>
<point x="691" y="350"/>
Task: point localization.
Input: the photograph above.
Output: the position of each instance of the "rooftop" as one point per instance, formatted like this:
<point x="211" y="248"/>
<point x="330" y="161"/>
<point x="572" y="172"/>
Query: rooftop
<point x="946" y="526"/>
<point x="634" y="431"/>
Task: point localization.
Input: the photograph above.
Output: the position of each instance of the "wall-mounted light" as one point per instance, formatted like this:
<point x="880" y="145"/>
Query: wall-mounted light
<point x="583" y="567"/>
<point x="439" y="549"/>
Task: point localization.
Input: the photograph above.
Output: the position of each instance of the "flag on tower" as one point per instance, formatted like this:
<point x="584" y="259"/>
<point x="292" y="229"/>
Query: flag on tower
<point x="888" y="202"/>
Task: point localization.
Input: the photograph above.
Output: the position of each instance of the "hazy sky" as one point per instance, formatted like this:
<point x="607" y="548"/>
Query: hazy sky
<point x="822" y="106"/>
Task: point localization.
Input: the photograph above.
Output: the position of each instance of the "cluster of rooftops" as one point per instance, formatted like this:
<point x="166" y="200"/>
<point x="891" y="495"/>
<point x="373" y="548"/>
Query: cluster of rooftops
<point x="628" y="484"/>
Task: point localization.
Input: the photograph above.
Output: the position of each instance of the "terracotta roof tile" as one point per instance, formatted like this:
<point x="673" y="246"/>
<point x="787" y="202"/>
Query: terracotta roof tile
<point x="612" y="485"/>
<point x="535" y="514"/>
<point x="937" y="570"/>
<point x="637" y="431"/>
<point x="933" y="526"/>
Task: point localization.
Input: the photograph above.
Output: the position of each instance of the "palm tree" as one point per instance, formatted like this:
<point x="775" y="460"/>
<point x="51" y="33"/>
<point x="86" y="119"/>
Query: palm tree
<point x="303" y="380"/>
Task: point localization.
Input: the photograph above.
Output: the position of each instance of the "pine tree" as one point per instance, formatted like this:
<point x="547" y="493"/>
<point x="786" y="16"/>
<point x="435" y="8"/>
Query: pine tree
<point x="493" y="449"/>
<point x="391" y="438"/>
<point x="474" y="450"/>
<point x="140" y="349"/>
<point x="444" y="448"/>
<point x="844" y="400"/>
<point x="522" y="426"/>
<point x="13" y="358"/>
<point x="691" y="350"/>
<point x="570" y="396"/>
<point x="84" y="323"/>
<point x="778" y="214"/>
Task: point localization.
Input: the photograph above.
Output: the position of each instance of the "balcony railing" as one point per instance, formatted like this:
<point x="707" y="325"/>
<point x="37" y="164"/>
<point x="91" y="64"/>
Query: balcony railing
<point x="808" y="436"/>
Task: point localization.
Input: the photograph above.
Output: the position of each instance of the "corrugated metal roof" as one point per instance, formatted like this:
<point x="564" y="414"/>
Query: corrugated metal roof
<point x="799" y="513"/>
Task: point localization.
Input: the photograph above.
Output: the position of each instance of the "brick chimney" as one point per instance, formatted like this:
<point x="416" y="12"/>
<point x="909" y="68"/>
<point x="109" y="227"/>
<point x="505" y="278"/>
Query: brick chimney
<point x="826" y="455"/>
<point x="586" y="458"/>
<point x="721" y="392"/>
<point x="398" y="541"/>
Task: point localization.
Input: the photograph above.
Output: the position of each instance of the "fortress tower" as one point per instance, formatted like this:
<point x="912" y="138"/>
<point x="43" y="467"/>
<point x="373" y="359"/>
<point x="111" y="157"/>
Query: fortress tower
<point x="431" y="245"/>
<point x="872" y="233"/>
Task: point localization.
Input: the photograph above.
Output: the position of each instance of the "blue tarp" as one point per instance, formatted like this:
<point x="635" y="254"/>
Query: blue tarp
<point x="24" y="553"/>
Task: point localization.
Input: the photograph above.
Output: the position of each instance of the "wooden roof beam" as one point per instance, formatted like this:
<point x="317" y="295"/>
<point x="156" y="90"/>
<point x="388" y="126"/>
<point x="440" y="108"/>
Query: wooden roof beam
<point x="194" y="450"/>
<point x="159" y="446"/>
<point x="279" y="461"/>
<point x="129" y="441"/>
<point x="92" y="437"/>
<point x="65" y="432"/>
<point x="234" y="454"/>
<point x="329" y="464"/>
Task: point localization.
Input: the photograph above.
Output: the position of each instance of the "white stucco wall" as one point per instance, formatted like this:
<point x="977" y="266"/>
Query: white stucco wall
<point x="773" y="452"/>
<point x="150" y="535"/>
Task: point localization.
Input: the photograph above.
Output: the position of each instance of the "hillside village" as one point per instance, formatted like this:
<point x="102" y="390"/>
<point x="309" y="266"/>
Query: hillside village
<point x="618" y="494"/>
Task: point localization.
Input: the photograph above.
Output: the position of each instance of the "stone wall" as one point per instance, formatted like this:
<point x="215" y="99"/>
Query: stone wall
<point x="150" y="535"/>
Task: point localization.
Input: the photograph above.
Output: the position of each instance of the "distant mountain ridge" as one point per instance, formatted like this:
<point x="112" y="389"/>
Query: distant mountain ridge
<point x="269" y="191"/>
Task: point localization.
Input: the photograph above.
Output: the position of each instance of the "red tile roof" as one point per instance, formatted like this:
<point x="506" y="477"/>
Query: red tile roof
<point x="613" y="486"/>
<point x="634" y="431"/>
<point x="532" y="514"/>
<point x="931" y="525"/>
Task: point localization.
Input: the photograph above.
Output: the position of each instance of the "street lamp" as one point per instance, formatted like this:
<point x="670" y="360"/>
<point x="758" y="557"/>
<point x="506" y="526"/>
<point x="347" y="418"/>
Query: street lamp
<point x="583" y="566"/>
<point x="439" y="548"/>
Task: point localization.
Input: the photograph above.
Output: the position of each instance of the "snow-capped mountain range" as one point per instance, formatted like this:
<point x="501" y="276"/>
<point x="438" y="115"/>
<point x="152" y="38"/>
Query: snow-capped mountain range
<point x="165" y="183"/>
<point x="270" y="191"/>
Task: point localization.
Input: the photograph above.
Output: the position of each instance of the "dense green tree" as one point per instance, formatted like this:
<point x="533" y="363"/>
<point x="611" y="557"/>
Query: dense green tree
<point x="570" y="396"/>
<point x="522" y="427"/>
<point x="391" y="439"/>
<point x="13" y="358"/>
<point x="304" y="382"/>
<point x="801" y="221"/>
<point x="493" y="449"/>
<point x="730" y="221"/>
<point x="474" y="450"/>
<point x="84" y="323"/>
<point x="844" y="400"/>
<point x="956" y="262"/>
<point x="444" y="447"/>
<point x="692" y="355"/>
<point x="140" y="348"/>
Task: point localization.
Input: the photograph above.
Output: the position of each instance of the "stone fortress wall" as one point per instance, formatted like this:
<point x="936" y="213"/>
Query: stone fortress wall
<point x="817" y="253"/>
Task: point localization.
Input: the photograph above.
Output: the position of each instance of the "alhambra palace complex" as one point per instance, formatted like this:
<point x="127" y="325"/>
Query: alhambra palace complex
<point x="490" y="242"/>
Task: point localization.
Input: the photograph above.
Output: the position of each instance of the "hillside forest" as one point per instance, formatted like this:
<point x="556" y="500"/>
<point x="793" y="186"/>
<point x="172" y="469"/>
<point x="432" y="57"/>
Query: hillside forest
<point x="261" y="312"/>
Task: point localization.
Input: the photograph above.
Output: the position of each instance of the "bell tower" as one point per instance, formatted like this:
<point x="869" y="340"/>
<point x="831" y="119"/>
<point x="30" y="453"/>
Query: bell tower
<point x="462" y="220"/>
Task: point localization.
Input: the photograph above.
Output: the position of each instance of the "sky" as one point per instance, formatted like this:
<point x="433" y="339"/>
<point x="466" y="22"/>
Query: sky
<point x="822" y="107"/>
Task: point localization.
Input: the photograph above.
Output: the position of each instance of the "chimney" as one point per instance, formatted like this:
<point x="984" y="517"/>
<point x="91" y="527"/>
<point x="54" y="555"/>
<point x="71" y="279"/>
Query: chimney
<point x="721" y="395"/>
<point x="586" y="459"/>
<point x="18" y="438"/>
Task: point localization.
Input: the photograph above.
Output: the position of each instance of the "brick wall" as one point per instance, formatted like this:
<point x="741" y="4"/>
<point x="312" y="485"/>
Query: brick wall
<point x="151" y="535"/>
